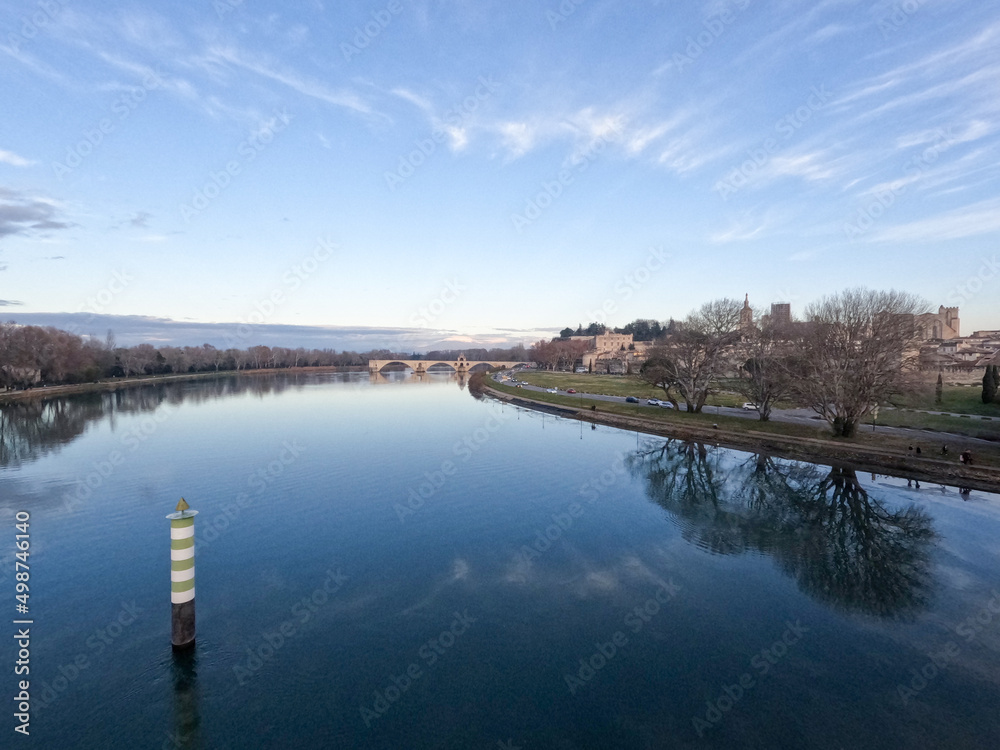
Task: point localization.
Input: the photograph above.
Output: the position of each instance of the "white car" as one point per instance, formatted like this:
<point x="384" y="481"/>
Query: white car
<point x="666" y="405"/>
<point x="653" y="402"/>
<point x="552" y="390"/>
<point x="749" y="407"/>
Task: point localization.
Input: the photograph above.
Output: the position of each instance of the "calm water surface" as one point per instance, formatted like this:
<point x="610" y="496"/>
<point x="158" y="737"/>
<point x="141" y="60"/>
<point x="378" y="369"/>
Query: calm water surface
<point x="399" y="565"/>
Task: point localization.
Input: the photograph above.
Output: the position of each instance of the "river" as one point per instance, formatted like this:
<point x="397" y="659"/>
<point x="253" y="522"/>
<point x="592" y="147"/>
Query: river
<point x="401" y="565"/>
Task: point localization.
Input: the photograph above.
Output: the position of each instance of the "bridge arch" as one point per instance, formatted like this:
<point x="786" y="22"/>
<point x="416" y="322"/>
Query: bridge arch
<point x="387" y="362"/>
<point x="460" y="364"/>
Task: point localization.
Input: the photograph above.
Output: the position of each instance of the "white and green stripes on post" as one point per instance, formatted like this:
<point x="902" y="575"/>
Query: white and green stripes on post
<point x="182" y="627"/>
<point x="182" y="556"/>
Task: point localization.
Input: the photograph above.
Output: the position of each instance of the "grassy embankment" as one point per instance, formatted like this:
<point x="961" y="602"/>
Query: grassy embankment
<point x="744" y="431"/>
<point x="962" y="400"/>
<point x="613" y="385"/>
<point x="976" y="418"/>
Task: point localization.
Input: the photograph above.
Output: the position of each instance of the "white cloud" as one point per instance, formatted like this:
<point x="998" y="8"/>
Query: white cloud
<point x="302" y="85"/>
<point x="970" y="221"/>
<point x="9" y="157"/>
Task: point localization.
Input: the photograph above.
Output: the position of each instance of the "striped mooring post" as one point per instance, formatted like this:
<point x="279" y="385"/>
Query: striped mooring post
<point x="182" y="576"/>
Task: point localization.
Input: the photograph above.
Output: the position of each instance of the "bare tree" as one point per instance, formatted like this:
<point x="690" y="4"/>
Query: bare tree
<point x="176" y="358"/>
<point x="856" y="350"/>
<point x="699" y="350"/>
<point x="763" y="375"/>
<point x="659" y="370"/>
<point x="143" y="357"/>
<point x="259" y="356"/>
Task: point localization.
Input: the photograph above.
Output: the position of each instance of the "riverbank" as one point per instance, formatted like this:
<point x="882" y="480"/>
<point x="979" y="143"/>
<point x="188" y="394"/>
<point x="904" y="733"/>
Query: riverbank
<point x="113" y="384"/>
<point x="890" y="456"/>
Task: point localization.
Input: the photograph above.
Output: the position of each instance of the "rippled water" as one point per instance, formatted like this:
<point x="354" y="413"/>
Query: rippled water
<point x="399" y="565"/>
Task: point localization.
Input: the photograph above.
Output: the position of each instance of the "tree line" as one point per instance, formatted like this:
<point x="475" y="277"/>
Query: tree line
<point x="34" y="355"/>
<point x="642" y="329"/>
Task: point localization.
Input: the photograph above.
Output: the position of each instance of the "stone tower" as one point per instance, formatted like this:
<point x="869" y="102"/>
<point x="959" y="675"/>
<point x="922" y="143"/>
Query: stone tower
<point x="746" y="314"/>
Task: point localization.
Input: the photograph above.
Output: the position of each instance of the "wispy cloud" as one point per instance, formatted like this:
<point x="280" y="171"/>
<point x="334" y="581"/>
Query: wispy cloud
<point x="971" y="221"/>
<point x="744" y="228"/>
<point x="287" y="77"/>
<point x="9" y="157"/>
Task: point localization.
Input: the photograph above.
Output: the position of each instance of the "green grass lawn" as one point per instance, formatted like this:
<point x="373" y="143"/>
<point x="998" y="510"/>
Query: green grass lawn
<point x="973" y="426"/>
<point x="954" y="398"/>
<point x="614" y="385"/>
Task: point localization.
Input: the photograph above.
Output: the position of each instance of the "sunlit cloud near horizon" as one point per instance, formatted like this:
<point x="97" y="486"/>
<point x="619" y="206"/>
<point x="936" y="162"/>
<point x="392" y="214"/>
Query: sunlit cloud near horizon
<point x="448" y="174"/>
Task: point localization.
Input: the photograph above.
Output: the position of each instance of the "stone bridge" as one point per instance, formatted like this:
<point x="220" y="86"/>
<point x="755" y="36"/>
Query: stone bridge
<point x="461" y="364"/>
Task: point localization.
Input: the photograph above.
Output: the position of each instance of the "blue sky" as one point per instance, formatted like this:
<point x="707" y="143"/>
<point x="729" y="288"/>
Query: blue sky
<point x="440" y="172"/>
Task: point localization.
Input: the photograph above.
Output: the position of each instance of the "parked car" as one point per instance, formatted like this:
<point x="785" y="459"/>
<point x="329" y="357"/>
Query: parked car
<point x="631" y="400"/>
<point x="749" y="407"/>
<point x="552" y="390"/>
<point x="666" y="405"/>
<point x="653" y="402"/>
<point x="571" y="390"/>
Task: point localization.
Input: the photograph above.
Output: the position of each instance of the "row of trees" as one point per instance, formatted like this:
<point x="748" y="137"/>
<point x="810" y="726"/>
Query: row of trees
<point x="852" y="351"/>
<point x="31" y="355"/>
<point x="642" y="329"/>
<point x="558" y="354"/>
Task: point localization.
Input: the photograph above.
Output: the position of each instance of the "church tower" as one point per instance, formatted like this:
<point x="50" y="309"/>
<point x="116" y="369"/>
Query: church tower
<point x="746" y="314"/>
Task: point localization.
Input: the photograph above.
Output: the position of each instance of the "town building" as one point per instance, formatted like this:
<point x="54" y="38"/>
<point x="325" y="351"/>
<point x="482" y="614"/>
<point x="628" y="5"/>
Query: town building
<point x="944" y="324"/>
<point x="612" y="353"/>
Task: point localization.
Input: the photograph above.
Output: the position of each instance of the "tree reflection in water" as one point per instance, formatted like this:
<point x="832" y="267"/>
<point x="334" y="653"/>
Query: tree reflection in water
<point x="32" y="428"/>
<point x="842" y="546"/>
